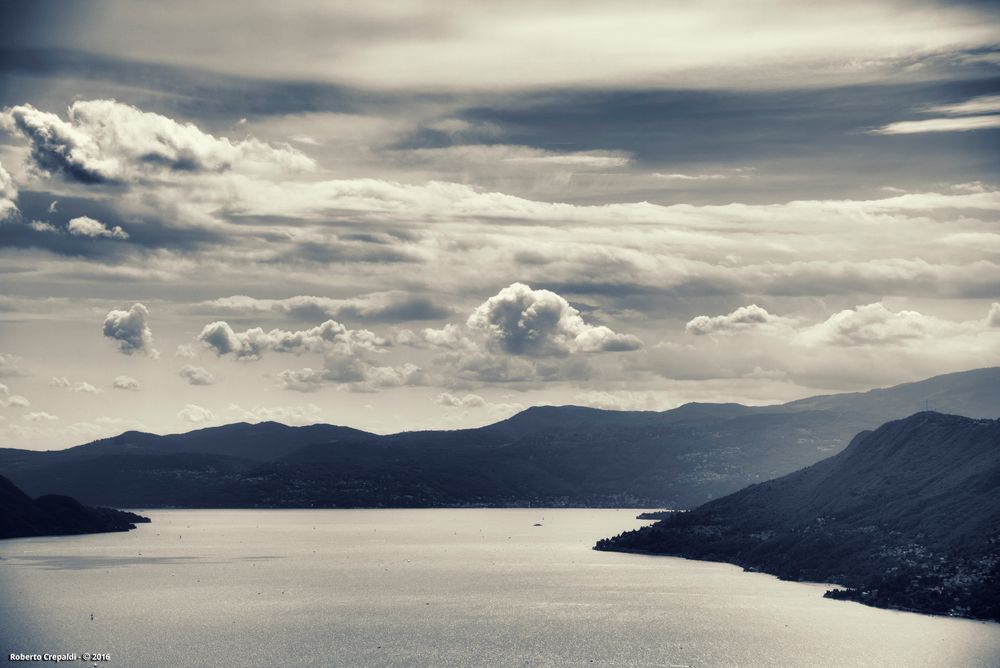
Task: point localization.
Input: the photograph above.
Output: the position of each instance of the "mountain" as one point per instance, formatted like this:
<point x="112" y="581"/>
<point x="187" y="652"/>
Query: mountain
<point x="973" y="393"/>
<point x="52" y="515"/>
<point x="546" y="455"/>
<point x="907" y="516"/>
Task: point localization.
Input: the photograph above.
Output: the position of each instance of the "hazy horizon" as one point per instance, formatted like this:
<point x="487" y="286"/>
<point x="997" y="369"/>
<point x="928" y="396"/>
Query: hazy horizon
<point x="427" y="216"/>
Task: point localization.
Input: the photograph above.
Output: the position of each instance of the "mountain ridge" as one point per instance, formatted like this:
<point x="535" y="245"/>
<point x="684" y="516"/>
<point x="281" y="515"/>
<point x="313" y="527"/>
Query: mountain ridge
<point x="907" y="516"/>
<point x="544" y="455"/>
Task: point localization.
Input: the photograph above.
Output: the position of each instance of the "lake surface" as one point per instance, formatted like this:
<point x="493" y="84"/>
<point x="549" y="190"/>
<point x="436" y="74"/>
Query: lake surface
<point x="433" y="588"/>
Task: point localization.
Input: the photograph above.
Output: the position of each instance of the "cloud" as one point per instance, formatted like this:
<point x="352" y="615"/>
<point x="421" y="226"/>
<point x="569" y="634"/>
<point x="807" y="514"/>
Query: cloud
<point x="441" y="46"/>
<point x="582" y="159"/>
<point x="522" y="321"/>
<point x="196" y="375"/>
<point x="343" y="351"/>
<point x="10" y="366"/>
<point x="351" y="373"/>
<point x="392" y="306"/>
<point x="452" y="401"/>
<point x="41" y="226"/>
<point x="735" y="173"/>
<point x="993" y="317"/>
<point x="85" y="226"/>
<point x="8" y="195"/>
<point x="450" y="337"/>
<point x="978" y="113"/>
<point x="745" y="317"/>
<point x="40" y="416"/>
<point x="962" y="124"/>
<point x="78" y="386"/>
<point x="104" y="141"/>
<point x="130" y="330"/>
<point x="186" y="351"/>
<point x="126" y="383"/>
<point x="15" y="401"/>
<point x="874" y="324"/>
<point x="984" y="104"/>
<point x="196" y="414"/>
<point x="331" y="336"/>
<point x="622" y="400"/>
<point x="292" y="415"/>
<point x="8" y="400"/>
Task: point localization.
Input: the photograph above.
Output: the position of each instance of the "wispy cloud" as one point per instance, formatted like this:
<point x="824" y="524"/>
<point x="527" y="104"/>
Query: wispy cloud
<point x="959" y="124"/>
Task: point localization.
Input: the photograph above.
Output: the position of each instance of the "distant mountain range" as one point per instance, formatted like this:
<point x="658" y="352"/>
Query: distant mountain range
<point x="908" y="516"/>
<point x="552" y="456"/>
<point x="22" y="516"/>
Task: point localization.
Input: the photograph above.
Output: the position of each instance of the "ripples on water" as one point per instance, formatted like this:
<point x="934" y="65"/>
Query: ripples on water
<point x="434" y="588"/>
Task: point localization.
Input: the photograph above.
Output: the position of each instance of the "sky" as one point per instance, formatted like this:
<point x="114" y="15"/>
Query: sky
<point x="423" y="215"/>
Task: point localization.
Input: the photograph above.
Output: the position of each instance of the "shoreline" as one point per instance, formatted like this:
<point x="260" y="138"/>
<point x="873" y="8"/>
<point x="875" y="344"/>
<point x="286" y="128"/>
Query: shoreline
<point x="834" y="586"/>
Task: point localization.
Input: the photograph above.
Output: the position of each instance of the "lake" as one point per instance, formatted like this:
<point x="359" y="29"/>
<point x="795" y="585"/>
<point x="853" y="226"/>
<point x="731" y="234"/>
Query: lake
<point x="434" y="588"/>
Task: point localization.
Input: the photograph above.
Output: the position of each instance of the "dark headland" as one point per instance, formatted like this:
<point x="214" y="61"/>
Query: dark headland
<point x="906" y="517"/>
<point x="55" y="515"/>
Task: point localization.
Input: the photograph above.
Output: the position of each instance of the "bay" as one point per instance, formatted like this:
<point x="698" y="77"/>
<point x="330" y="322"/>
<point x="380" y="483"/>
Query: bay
<point x="440" y="587"/>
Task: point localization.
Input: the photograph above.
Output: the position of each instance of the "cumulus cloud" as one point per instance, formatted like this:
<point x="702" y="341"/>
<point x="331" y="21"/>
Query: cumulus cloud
<point x="8" y="195"/>
<point x="622" y="400"/>
<point x="392" y="306"/>
<point x="10" y="365"/>
<point x="743" y="318"/>
<point x="450" y="337"/>
<point x="8" y="400"/>
<point x="522" y="321"/>
<point x="42" y="226"/>
<point x="40" y="416"/>
<point x="330" y="336"/>
<point x="15" y="401"/>
<point x="186" y="351"/>
<point x="126" y="383"/>
<point x="453" y="401"/>
<point x="351" y="373"/>
<point x="130" y="330"/>
<point x="874" y="324"/>
<point x="107" y="141"/>
<point x="196" y="414"/>
<point x="993" y="316"/>
<point x="78" y="386"/>
<point x="293" y="415"/>
<point x="196" y="375"/>
<point x="344" y="354"/>
<point x="84" y="226"/>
